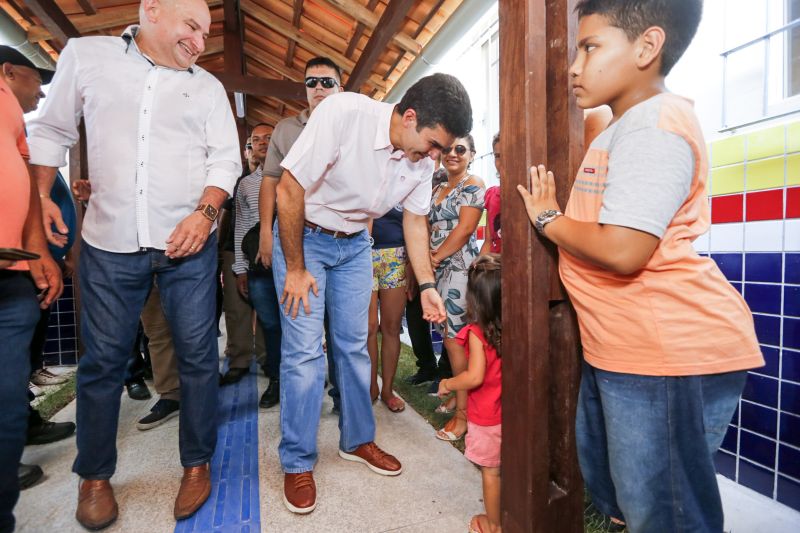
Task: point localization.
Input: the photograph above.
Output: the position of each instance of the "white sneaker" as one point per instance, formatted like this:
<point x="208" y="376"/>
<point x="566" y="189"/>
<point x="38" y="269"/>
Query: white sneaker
<point x="35" y="390"/>
<point x="43" y="376"/>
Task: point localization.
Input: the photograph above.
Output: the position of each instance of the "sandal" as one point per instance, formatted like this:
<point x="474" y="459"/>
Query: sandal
<point x="395" y="404"/>
<point x="475" y="524"/>
<point x="448" y="435"/>
<point x="446" y="407"/>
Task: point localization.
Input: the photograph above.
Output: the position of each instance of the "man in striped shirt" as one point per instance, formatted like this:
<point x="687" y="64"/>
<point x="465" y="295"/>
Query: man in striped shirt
<point x="254" y="280"/>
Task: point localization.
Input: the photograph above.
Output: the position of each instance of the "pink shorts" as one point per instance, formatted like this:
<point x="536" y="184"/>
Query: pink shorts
<point x="483" y="444"/>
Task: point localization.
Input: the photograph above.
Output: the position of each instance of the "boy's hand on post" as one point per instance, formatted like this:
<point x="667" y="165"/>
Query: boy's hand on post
<point x="542" y="195"/>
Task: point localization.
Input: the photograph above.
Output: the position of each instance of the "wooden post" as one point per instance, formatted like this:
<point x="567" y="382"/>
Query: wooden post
<point x="540" y="123"/>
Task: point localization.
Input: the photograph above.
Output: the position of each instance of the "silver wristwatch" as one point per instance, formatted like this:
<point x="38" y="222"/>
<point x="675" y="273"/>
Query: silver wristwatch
<point x="544" y="218"/>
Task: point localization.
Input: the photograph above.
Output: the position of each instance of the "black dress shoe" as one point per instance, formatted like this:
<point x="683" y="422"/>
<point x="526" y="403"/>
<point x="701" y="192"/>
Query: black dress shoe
<point x="137" y="390"/>
<point x="271" y="396"/>
<point x="47" y="432"/>
<point x="233" y="375"/>
<point x="420" y="377"/>
<point x="28" y="475"/>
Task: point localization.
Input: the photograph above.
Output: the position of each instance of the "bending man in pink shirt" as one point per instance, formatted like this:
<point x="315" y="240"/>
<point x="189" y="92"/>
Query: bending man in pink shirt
<point x="355" y="160"/>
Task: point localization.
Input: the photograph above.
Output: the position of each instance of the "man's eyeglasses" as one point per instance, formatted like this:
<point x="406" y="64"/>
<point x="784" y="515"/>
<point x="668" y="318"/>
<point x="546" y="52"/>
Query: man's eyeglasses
<point x="326" y="81"/>
<point x="459" y="148"/>
<point x="248" y="146"/>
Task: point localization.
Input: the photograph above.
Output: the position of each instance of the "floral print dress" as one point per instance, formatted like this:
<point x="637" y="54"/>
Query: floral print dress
<point x="451" y="274"/>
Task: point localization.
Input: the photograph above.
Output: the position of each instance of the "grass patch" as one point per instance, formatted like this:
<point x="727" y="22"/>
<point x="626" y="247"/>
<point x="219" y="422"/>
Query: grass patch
<point x="54" y="401"/>
<point x="416" y="396"/>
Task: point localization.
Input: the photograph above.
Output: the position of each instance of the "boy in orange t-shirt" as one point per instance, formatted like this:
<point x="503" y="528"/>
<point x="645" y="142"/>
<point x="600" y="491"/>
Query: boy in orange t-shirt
<point x="666" y="339"/>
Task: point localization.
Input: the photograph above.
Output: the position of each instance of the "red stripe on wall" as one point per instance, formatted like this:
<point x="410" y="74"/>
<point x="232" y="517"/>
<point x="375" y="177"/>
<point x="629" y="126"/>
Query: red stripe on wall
<point x="793" y="202"/>
<point x="727" y="208"/>
<point x="765" y="205"/>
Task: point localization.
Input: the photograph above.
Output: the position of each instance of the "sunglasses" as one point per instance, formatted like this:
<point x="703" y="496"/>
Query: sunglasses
<point x="327" y="82"/>
<point x="460" y="149"/>
<point x="248" y="146"/>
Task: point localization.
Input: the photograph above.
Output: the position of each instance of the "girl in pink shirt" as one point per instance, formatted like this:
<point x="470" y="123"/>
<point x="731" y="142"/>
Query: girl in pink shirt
<point x="482" y="378"/>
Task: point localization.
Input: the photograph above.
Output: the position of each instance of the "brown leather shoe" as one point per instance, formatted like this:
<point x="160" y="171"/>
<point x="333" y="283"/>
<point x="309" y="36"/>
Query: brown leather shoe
<point x="97" y="508"/>
<point x="300" y="492"/>
<point x="194" y="491"/>
<point x="376" y="459"/>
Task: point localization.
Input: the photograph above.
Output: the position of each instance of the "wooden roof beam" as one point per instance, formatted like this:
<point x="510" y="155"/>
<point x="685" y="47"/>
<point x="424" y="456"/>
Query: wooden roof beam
<point x="103" y="20"/>
<point x="390" y="22"/>
<point x="290" y="90"/>
<point x="296" y="15"/>
<point x="370" y="20"/>
<point x="56" y="22"/>
<point x="233" y="38"/>
<point x="88" y="7"/>
<point x="359" y="31"/>
<point x="265" y="17"/>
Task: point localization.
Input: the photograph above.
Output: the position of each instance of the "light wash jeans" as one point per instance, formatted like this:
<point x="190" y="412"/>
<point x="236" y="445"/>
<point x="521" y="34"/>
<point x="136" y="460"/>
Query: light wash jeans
<point x="343" y="270"/>
<point x="646" y="446"/>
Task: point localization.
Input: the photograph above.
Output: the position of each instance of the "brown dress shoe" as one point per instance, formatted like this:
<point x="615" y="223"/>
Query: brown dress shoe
<point x="194" y="491"/>
<point x="97" y="508"/>
<point x="376" y="459"/>
<point x="300" y="492"/>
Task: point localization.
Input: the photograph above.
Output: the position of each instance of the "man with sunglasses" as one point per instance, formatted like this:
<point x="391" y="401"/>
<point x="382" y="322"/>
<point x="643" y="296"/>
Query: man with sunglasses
<point x="355" y="160"/>
<point x="322" y="78"/>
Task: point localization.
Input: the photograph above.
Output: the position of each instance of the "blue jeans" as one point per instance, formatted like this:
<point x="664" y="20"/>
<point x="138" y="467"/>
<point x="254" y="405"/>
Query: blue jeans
<point x="19" y="313"/>
<point x="114" y="288"/>
<point x="343" y="270"/>
<point x="264" y="299"/>
<point x="646" y="445"/>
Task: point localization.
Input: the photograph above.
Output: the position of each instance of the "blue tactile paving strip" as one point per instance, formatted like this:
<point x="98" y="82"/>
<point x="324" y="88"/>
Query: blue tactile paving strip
<point x="233" y="505"/>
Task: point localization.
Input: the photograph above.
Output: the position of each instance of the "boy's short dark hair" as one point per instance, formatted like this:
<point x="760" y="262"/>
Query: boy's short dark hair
<point x="323" y="62"/>
<point x="678" y="18"/>
<point x="439" y="100"/>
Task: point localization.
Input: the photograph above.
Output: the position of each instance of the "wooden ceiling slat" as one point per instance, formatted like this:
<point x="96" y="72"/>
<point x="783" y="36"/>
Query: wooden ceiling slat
<point x="315" y="46"/>
<point x="370" y="20"/>
<point x="422" y="24"/>
<point x="56" y="22"/>
<point x="279" y="68"/>
<point x="104" y="19"/>
<point x="390" y="21"/>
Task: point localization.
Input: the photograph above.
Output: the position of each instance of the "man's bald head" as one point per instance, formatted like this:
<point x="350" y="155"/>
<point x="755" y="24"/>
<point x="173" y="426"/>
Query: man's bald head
<point x="173" y="32"/>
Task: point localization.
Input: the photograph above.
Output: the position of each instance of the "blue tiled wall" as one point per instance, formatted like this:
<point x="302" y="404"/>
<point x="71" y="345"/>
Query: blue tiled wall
<point x="61" y="347"/>
<point x="762" y="447"/>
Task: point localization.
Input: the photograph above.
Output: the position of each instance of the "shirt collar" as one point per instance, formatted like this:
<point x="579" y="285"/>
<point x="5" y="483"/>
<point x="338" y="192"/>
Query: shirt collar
<point x="382" y="138"/>
<point x="302" y="118"/>
<point x="129" y="36"/>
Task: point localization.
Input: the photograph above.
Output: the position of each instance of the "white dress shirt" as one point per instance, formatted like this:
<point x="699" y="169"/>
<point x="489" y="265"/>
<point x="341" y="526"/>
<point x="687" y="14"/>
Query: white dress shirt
<point x="156" y="138"/>
<point x="349" y="169"/>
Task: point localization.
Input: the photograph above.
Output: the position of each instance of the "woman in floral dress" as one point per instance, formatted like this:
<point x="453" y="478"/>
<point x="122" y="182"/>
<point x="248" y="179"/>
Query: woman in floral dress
<point x="456" y="208"/>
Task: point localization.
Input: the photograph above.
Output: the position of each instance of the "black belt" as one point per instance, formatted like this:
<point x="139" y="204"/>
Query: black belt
<point x="334" y="234"/>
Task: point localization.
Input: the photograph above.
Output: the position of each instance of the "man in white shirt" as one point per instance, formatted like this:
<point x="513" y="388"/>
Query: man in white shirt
<point x="355" y="160"/>
<point x="162" y="155"/>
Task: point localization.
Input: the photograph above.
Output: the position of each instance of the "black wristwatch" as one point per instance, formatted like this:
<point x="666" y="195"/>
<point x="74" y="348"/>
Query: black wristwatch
<point x="425" y="286"/>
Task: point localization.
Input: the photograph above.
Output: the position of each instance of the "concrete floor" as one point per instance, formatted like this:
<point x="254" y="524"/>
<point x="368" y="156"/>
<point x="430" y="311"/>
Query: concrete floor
<point x="438" y="490"/>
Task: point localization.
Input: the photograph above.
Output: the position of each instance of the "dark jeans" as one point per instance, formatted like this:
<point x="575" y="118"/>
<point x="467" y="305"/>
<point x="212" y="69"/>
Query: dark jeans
<point x="264" y="300"/>
<point x="114" y="287"/>
<point x="419" y="330"/>
<point x="39" y="338"/>
<point x="19" y="312"/>
<point x="646" y="446"/>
